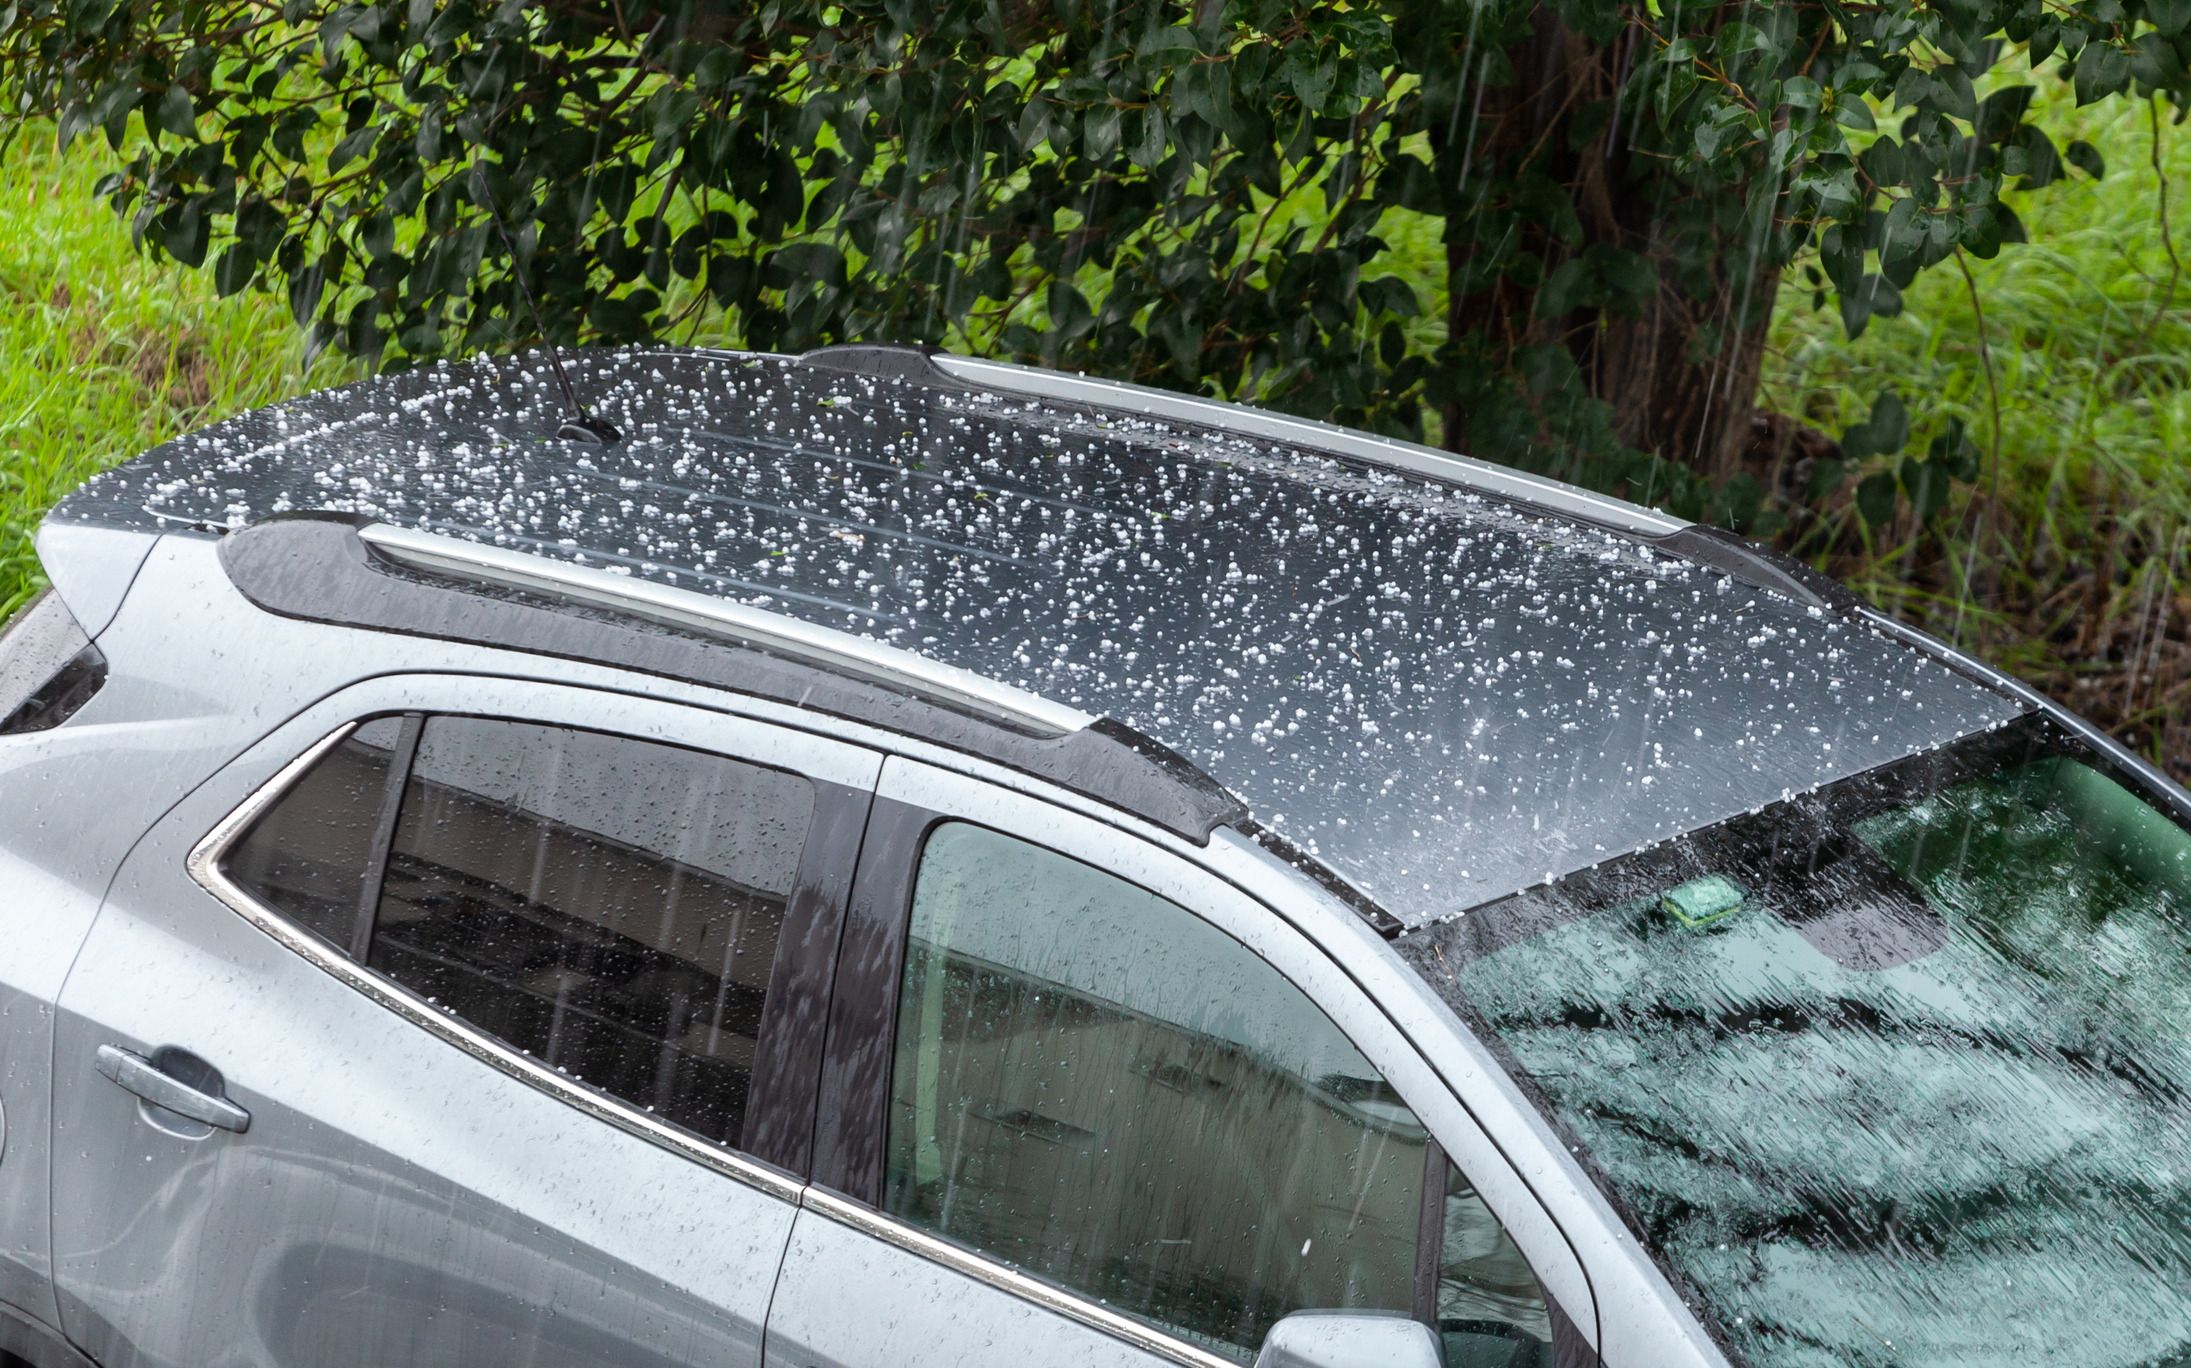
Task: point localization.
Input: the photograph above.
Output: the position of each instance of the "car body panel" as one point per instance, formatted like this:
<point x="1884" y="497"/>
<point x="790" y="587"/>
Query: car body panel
<point x="92" y="567"/>
<point x="848" y="1300"/>
<point x="371" y="1213"/>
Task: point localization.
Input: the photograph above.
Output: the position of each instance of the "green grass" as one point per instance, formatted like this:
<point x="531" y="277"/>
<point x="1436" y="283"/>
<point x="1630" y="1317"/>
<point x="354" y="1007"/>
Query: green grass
<point x="2072" y="573"/>
<point x="103" y="354"/>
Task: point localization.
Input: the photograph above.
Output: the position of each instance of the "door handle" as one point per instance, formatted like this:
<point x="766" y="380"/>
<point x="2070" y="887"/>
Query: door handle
<point x="137" y="1074"/>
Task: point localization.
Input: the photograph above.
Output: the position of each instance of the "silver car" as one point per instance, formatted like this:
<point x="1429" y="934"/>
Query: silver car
<point x="903" y="860"/>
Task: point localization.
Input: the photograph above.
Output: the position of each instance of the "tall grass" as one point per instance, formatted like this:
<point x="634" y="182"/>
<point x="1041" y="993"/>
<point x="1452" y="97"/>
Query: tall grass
<point x="103" y="354"/>
<point x="2065" y="561"/>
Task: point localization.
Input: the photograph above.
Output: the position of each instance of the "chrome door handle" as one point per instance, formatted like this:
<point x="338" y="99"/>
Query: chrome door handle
<point x="137" y="1074"/>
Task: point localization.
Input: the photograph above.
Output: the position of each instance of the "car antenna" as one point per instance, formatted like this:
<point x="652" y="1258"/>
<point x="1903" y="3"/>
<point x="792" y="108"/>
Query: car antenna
<point x="581" y="426"/>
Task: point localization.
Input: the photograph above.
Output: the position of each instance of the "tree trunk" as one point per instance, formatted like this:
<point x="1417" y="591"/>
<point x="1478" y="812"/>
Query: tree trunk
<point x="1681" y="377"/>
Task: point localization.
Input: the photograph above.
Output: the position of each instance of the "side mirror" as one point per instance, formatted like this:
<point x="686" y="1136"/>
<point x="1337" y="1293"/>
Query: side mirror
<point x="1350" y="1339"/>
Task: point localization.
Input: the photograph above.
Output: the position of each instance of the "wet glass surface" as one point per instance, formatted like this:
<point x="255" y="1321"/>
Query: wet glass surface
<point x="609" y="906"/>
<point x="1444" y="698"/>
<point x="1101" y="1088"/>
<point x="307" y="856"/>
<point x="1894" y="1074"/>
<point x="1490" y="1309"/>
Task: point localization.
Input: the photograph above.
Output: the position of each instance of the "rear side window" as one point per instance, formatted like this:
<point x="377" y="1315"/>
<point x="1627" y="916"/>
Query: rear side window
<point x="48" y="667"/>
<point x="1103" y="1089"/>
<point x="308" y="856"/>
<point x="608" y="906"/>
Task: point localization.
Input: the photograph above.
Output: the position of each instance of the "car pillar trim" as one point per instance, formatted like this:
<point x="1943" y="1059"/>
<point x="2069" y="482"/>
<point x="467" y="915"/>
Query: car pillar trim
<point x="204" y="865"/>
<point x="684" y="608"/>
<point x="867" y="1221"/>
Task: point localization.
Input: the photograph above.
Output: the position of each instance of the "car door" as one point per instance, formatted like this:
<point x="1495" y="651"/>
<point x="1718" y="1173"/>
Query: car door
<point x="461" y="1021"/>
<point x="1085" y="1103"/>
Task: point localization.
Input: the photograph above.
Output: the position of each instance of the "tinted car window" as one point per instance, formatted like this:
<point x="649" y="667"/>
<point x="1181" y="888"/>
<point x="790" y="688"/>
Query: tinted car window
<point x="1103" y="1089"/>
<point x="1490" y="1309"/>
<point x="609" y="906"/>
<point x="1900" y="1063"/>
<point x="307" y="856"/>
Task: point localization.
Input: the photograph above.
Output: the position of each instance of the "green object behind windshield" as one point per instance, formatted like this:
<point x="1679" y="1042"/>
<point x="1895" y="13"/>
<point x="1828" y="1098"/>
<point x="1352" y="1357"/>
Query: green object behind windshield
<point x="1923" y="1101"/>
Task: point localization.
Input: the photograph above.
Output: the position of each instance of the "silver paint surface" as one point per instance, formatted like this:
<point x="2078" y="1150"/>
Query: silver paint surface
<point x="1316" y="1339"/>
<point x="372" y="1213"/>
<point x="92" y="567"/>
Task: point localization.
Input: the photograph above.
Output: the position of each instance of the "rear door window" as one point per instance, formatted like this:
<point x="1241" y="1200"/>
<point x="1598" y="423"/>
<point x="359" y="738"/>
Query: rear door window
<point x="609" y="906"/>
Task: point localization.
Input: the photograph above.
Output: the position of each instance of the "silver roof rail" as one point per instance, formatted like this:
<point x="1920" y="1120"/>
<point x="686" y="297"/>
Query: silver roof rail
<point x="841" y="651"/>
<point x="1481" y="476"/>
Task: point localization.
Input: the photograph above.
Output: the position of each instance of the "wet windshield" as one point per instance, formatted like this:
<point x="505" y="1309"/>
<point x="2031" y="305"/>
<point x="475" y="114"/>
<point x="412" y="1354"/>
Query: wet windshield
<point x="1891" y="1073"/>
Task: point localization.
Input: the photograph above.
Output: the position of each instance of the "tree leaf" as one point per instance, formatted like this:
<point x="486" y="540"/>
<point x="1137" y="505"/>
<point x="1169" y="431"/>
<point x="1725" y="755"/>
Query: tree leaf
<point x="1851" y="111"/>
<point x="175" y="114"/>
<point x="2153" y="60"/>
<point x="1827" y="476"/>
<point x="1954" y="453"/>
<point x="1952" y="94"/>
<point x="1099" y="133"/>
<point x="2086" y="158"/>
<point x="1148" y="149"/>
<point x="1875" y="498"/>
<point x="233" y="270"/>
<point x="2042" y="164"/>
<point x="2003" y="110"/>
<point x="1927" y="486"/>
<point x="2102" y="70"/>
<point x="1884" y="163"/>
<point x="1884" y="433"/>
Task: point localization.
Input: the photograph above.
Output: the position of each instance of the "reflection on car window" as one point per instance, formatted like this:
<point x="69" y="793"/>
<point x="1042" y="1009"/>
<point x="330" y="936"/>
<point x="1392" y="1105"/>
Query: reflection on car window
<point x="307" y="856"/>
<point x="1893" y="1073"/>
<point x="1099" y="1087"/>
<point x="609" y="906"/>
<point x="1490" y="1308"/>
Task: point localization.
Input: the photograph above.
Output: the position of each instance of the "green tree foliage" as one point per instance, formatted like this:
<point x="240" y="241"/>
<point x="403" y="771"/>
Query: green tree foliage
<point x="1090" y="183"/>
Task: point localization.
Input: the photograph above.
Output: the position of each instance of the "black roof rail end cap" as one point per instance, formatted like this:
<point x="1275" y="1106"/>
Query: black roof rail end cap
<point x="1757" y="564"/>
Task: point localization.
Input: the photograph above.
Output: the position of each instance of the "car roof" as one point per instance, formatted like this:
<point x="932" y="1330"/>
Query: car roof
<point x="1443" y="695"/>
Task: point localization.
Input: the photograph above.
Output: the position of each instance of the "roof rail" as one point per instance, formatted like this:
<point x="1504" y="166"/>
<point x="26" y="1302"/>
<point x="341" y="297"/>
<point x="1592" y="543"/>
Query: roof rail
<point x="1720" y="550"/>
<point x="826" y="646"/>
<point x="1480" y="477"/>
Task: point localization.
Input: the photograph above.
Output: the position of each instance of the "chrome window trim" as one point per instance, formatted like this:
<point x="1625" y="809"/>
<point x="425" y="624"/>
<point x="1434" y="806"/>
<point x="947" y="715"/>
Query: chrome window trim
<point x="1004" y="1277"/>
<point x="826" y="646"/>
<point x="203" y="865"/>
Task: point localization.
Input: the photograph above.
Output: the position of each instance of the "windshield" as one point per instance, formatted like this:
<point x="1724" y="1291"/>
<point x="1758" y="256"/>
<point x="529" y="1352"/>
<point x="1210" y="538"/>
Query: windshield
<point x="1892" y="1073"/>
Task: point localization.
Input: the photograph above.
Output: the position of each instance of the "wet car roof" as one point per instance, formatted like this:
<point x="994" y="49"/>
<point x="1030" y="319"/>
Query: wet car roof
<point x="1443" y="697"/>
